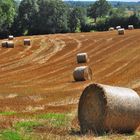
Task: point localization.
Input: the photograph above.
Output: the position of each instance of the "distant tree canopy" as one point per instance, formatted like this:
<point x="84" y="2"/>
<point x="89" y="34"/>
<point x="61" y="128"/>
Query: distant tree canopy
<point x="117" y="12"/>
<point x="7" y="14"/>
<point x="28" y="17"/>
<point x="48" y="16"/>
<point x="77" y="16"/>
<point x="99" y="9"/>
<point x="45" y="16"/>
<point x="28" y="10"/>
<point x="52" y="16"/>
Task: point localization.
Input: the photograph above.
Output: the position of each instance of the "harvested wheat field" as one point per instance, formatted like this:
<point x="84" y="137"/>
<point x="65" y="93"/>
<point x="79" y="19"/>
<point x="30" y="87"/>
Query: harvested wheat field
<point x="37" y="85"/>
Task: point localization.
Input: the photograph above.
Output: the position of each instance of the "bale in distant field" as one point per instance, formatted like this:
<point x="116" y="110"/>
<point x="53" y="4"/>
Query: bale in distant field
<point x="9" y="44"/>
<point x="105" y="108"/>
<point x="118" y="27"/>
<point x="130" y="27"/>
<point x="111" y="29"/>
<point x="121" y="31"/>
<point x="27" y="42"/>
<point x="4" y="44"/>
<point x="82" y="58"/>
<point x="11" y="37"/>
<point x="82" y="73"/>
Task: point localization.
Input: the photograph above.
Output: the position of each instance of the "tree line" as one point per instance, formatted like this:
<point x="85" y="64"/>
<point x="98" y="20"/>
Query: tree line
<point x="32" y="17"/>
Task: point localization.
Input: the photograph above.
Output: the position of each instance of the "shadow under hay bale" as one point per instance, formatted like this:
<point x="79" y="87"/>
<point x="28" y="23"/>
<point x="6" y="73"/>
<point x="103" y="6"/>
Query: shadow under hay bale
<point x="10" y="37"/>
<point x="130" y="27"/>
<point x="27" y="42"/>
<point x="82" y="73"/>
<point x="105" y="108"/>
<point x="121" y="31"/>
<point x="82" y="58"/>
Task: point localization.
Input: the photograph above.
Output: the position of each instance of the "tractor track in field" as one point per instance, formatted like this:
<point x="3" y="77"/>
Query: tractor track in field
<point x="45" y="68"/>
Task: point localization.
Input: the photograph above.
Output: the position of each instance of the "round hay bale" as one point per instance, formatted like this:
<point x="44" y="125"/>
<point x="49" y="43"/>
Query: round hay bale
<point x="118" y="27"/>
<point x="82" y="73"/>
<point x="10" y="44"/>
<point x="27" y="42"/>
<point x="82" y="58"/>
<point x="130" y="27"/>
<point x="11" y="37"/>
<point x="105" y="108"/>
<point x="111" y="29"/>
<point x="121" y="31"/>
<point x="4" y="44"/>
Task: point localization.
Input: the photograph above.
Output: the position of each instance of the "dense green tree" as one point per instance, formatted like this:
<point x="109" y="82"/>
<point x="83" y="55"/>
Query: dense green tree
<point x="117" y="12"/>
<point x="77" y="18"/>
<point x="28" y="11"/>
<point x="52" y="16"/>
<point x="7" y="14"/>
<point x="134" y="20"/>
<point x="99" y="9"/>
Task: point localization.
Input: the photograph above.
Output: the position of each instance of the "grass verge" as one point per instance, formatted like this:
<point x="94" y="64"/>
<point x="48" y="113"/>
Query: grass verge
<point x="10" y="135"/>
<point x="7" y="113"/>
<point x="55" y="119"/>
<point x="26" y="125"/>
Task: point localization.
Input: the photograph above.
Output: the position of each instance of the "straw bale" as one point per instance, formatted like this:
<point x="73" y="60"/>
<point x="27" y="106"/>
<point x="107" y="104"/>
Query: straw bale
<point x="118" y="27"/>
<point x="4" y="44"/>
<point x="121" y="31"/>
<point x="27" y="42"/>
<point x="10" y="44"/>
<point x="111" y="29"/>
<point x="105" y="108"/>
<point x="11" y="37"/>
<point x="82" y="58"/>
<point x="82" y="73"/>
<point x="130" y="27"/>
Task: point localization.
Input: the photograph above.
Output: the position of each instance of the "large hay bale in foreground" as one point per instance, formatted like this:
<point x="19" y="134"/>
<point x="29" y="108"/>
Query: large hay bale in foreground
<point x="27" y="42"/>
<point x="82" y="73"/>
<point x="10" y="37"/>
<point x="105" y="108"/>
<point x="121" y="31"/>
<point x="111" y="29"/>
<point x="130" y="27"/>
<point x="82" y="58"/>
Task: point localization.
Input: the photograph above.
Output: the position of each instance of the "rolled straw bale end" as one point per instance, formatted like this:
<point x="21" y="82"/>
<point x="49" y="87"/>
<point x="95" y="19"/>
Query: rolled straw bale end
<point x="91" y="109"/>
<point x="105" y="108"/>
<point x="27" y="42"/>
<point x="10" y="37"/>
<point x="82" y="58"/>
<point x="82" y="73"/>
<point x="121" y="31"/>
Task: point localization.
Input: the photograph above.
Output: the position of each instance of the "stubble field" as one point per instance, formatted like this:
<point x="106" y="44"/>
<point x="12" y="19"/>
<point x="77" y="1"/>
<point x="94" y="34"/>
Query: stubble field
<point x="37" y="90"/>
